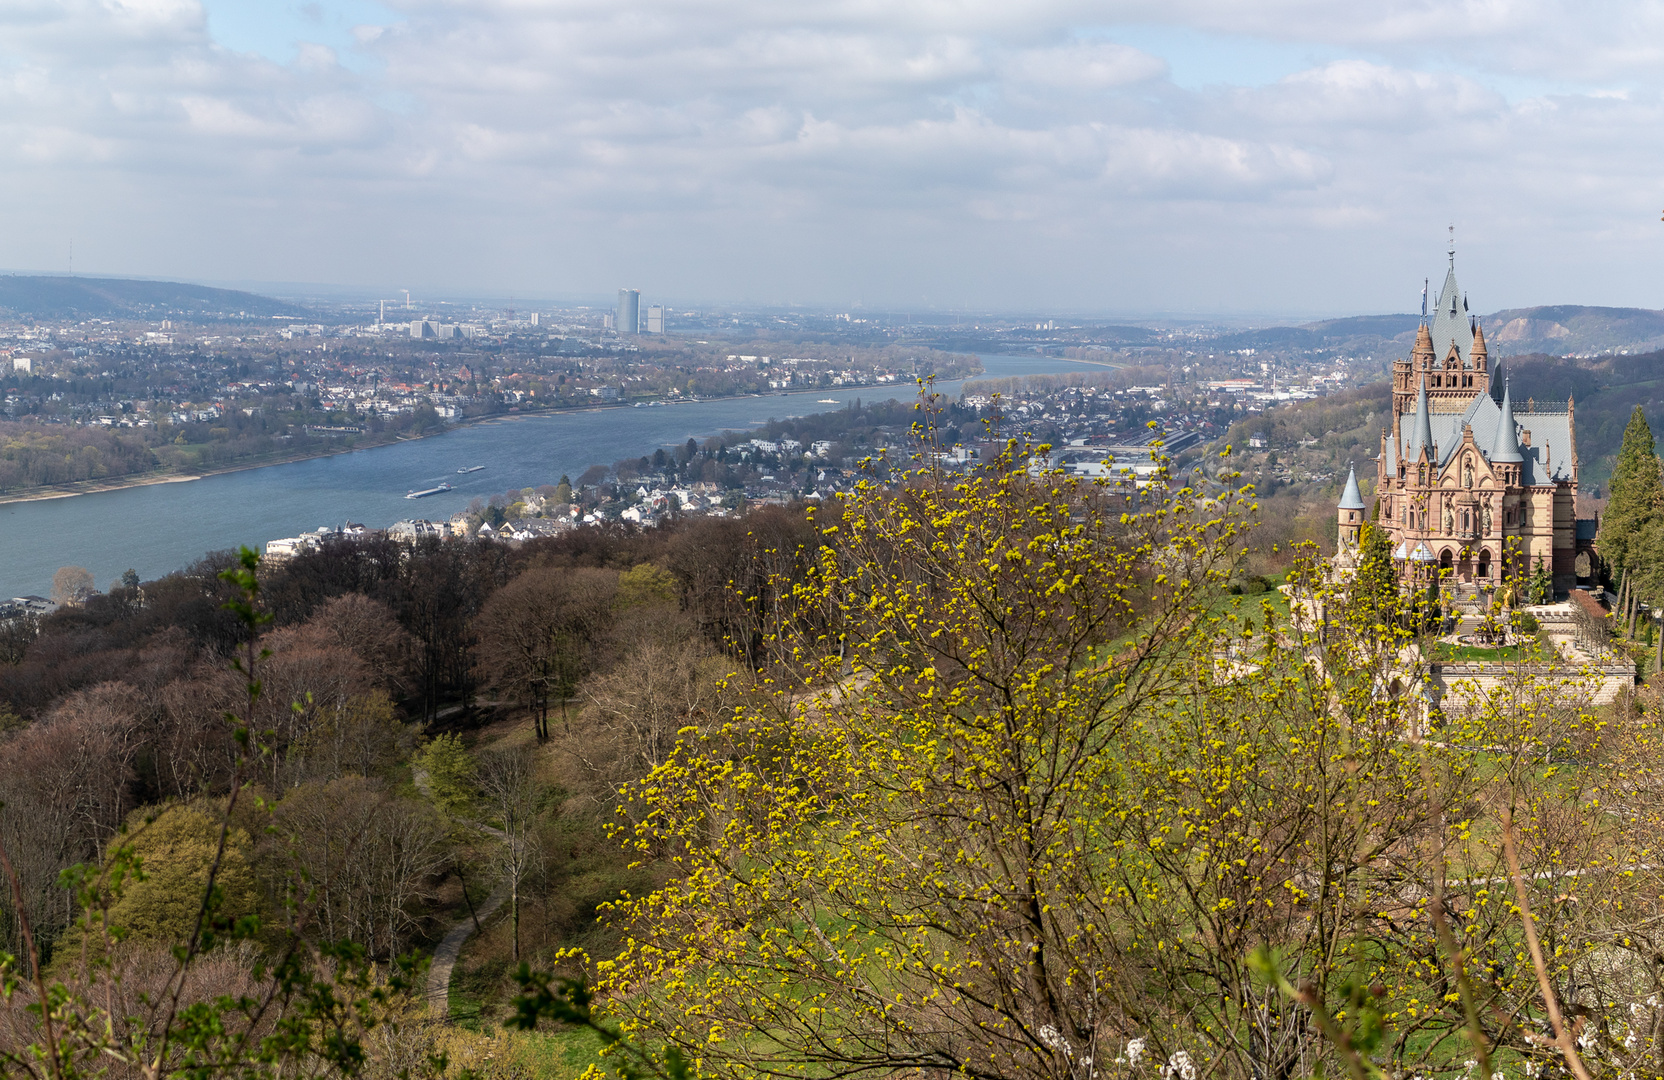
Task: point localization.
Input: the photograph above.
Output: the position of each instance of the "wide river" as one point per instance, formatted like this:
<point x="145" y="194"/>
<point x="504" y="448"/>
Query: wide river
<point x="159" y="528"/>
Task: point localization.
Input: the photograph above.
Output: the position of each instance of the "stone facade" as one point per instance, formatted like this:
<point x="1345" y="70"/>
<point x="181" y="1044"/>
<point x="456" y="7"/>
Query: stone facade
<point x="1467" y="487"/>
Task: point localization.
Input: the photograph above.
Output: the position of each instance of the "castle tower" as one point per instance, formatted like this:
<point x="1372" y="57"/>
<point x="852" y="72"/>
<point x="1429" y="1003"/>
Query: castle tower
<point x="1468" y="487"/>
<point x="1350" y="513"/>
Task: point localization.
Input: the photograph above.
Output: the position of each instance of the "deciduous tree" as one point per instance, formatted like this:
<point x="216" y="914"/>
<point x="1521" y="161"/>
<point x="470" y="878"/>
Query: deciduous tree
<point x="538" y="633"/>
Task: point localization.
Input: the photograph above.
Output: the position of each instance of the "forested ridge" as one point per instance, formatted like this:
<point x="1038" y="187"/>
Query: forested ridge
<point x="987" y="775"/>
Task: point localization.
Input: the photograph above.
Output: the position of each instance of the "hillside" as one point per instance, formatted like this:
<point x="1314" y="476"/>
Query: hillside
<point x="1378" y="335"/>
<point x="1569" y="328"/>
<point x="72" y="297"/>
<point x="1557" y="329"/>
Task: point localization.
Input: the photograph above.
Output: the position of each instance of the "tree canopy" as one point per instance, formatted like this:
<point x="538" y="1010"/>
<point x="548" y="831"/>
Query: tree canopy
<point x="1634" y="510"/>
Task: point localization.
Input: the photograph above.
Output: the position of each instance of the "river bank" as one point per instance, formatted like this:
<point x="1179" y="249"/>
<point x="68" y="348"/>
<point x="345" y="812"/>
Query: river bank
<point x="158" y="527"/>
<point x="265" y="461"/>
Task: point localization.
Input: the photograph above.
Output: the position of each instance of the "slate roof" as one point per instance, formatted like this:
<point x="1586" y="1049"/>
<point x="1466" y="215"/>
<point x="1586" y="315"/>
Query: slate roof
<point x="1352" y="499"/>
<point x="1449" y="322"/>
<point x="1551" y="438"/>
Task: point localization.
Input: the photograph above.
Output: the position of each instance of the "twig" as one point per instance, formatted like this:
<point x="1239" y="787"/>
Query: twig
<point x="1458" y="957"/>
<point x="34" y="961"/>
<point x="1562" y="1035"/>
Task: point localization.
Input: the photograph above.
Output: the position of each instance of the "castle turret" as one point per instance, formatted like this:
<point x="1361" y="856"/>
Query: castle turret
<point x="1350" y="512"/>
<point x="1410" y="375"/>
<point x="1506" y="449"/>
<point x="1421" y="435"/>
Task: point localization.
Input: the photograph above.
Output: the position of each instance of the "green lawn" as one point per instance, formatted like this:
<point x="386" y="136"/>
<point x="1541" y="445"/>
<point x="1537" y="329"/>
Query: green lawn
<point x="1531" y="650"/>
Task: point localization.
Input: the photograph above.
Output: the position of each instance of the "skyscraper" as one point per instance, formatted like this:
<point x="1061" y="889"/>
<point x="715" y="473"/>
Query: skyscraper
<point x="629" y="311"/>
<point x="655" y="319"/>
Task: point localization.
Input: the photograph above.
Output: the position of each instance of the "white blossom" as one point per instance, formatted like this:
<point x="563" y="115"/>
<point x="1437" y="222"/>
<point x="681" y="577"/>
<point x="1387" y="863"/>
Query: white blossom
<point x="1179" y="1067"/>
<point x="1135" y="1051"/>
<point x="1054" y="1039"/>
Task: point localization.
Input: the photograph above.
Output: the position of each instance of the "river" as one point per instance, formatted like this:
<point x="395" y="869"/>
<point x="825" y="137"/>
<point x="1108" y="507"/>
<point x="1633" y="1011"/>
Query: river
<point x="160" y="528"/>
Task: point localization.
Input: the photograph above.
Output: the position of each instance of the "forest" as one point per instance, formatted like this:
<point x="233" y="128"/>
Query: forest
<point x="990" y="774"/>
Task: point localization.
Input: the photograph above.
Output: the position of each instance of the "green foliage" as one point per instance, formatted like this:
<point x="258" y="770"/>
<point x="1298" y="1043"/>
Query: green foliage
<point x="1539" y="589"/>
<point x="172" y="857"/>
<point x="451" y="770"/>
<point x="184" y="879"/>
<point x="1637" y="504"/>
<point x="1375" y="592"/>
<point x="648" y="583"/>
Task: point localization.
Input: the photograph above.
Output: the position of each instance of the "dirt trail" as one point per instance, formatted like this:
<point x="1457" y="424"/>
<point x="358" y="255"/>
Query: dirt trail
<point x="438" y="992"/>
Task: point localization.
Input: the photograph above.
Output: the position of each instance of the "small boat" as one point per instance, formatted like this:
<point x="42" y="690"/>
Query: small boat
<point x="440" y="490"/>
<point x="828" y="401"/>
<point x="470" y="468"/>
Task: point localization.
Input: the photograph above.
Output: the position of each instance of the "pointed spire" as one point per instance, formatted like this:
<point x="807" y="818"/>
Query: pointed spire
<point x="1352" y="499"/>
<point x="1422" y="437"/>
<point x="1507" y="447"/>
<point x="1424" y="344"/>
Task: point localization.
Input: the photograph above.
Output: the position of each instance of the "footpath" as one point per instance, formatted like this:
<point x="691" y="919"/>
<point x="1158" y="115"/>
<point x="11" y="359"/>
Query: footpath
<point x="438" y="990"/>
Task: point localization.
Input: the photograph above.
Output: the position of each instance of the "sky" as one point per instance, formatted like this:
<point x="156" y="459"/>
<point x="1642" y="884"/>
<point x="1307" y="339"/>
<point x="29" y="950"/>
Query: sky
<point x="1284" y="157"/>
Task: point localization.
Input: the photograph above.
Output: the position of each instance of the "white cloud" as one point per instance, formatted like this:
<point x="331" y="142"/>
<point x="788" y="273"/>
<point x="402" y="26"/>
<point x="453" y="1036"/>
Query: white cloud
<point x="983" y="151"/>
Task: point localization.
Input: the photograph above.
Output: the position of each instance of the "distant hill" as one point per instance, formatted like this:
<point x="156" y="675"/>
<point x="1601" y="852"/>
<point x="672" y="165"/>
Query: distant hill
<point x="1570" y="329"/>
<point x="72" y="297"/>
<point x="1377" y="335"/>
<point x="1560" y="329"/>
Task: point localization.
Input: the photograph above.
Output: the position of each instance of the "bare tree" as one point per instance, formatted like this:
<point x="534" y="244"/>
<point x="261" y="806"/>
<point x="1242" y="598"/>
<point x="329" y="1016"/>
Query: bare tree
<point x="372" y="860"/>
<point x="71" y="585"/>
<point x="370" y="631"/>
<point x="64" y="786"/>
<point x="515" y="798"/>
<point x="538" y="635"/>
<point x="636" y="710"/>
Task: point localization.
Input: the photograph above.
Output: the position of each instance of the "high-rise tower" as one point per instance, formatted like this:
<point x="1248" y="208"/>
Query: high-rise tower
<point x="629" y="311"/>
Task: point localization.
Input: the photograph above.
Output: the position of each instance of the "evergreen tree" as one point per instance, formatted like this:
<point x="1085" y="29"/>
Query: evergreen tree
<point x="1375" y="595"/>
<point x="1636" y="506"/>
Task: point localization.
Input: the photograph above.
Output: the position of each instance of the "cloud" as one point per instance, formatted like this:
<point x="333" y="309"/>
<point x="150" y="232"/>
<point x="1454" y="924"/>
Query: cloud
<point x="1006" y="154"/>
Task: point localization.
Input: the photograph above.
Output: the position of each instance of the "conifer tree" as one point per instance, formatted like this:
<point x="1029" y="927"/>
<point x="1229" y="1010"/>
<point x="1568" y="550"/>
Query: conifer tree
<point x="1636" y="508"/>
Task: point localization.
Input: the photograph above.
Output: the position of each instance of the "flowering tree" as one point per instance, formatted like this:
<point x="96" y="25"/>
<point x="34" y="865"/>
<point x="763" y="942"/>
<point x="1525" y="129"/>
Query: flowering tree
<point x="1024" y="803"/>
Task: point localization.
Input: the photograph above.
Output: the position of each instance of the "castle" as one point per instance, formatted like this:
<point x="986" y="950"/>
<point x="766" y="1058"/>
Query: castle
<point x="1469" y="489"/>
